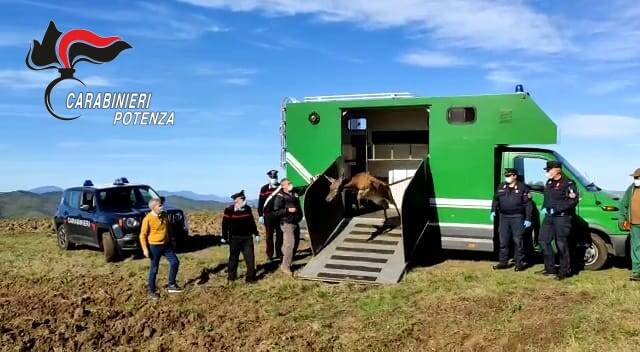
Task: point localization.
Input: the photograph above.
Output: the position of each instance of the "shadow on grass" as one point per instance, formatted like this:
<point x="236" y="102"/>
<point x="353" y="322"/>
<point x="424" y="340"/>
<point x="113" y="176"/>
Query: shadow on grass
<point x="262" y="269"/>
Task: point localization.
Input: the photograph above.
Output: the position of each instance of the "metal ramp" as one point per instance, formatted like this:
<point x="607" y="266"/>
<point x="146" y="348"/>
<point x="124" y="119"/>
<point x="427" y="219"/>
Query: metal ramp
<point x="359" y="247"/>
<point x="361" y="252"/>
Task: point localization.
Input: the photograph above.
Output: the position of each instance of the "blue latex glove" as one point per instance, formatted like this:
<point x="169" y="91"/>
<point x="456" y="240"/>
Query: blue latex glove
<point x="551" y="211"/>
<point x="543" y="211"/>
<point x="492" y="216"/>
<point x="261" y="220"/>
<point x="257" y="239"/>
<point x="527" y="224"/>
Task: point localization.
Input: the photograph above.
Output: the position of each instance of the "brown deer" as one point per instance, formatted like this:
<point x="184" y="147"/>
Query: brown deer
<point x="368" y="187"/>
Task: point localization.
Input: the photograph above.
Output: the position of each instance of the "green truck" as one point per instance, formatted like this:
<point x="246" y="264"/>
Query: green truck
<point x="443" y="158"/>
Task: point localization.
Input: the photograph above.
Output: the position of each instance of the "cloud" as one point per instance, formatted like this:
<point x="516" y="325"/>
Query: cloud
<point x="227" y="74"/>
<point x="139" y="19"/>
<point x="600" y="126"/>
<point x="98" y="81"/>
<point x="238" y="81"/>
<point x="503" y="77"/>
<point x="491" y="25"/>
<point x="431" y="59"/>
<point x="28" y="79"/>
<point x="14" y="38"/>
<point x="604" y="88"/>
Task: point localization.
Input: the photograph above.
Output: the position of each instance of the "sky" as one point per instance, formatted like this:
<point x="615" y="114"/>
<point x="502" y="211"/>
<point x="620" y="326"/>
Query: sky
<point x="224" y="67"/>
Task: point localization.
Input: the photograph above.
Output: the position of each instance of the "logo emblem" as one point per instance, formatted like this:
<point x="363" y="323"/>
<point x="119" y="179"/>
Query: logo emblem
<point x="62" y="51"/>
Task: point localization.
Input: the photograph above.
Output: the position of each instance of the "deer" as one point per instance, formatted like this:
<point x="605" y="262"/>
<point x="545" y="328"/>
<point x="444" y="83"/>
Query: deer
<point x="368" y="187"/>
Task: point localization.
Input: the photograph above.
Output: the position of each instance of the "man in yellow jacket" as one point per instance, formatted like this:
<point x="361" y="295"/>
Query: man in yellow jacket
<point x="155" y="242"/>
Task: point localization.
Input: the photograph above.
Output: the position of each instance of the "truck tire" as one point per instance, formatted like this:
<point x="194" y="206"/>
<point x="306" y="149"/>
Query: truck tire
<point x="63" y="238"/>
<point x="110" y="248"/>
<point x="596" y="254"/>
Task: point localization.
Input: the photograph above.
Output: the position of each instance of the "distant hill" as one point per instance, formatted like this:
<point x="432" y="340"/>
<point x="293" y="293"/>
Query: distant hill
<point x="45" y="189"/>
<point x="22" y="204"/>
<point x="194" y="196"/>
<point x="187" y="204"/>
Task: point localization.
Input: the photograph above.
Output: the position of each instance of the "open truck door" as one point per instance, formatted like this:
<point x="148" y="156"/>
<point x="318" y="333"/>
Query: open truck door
<point x="362" y="247"/>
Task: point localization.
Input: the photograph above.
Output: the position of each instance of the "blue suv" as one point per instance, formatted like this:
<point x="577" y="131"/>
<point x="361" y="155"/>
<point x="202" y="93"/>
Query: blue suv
<point x="109" y="217"/>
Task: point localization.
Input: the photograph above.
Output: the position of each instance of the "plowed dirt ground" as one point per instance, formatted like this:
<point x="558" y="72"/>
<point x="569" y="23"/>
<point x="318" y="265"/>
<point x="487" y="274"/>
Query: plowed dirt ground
<point x="73" y="301"/>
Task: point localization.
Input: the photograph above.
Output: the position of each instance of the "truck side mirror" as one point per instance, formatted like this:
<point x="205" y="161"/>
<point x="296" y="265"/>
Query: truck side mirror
<point x="163" y="199"/>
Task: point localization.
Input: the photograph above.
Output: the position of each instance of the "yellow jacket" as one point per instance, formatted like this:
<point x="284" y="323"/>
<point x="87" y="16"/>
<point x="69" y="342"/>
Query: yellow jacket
<point x="153" y="231"/>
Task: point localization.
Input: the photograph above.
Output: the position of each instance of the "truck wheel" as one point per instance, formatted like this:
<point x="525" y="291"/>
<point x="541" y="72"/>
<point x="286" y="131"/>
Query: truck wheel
<point x="63" y="238"/>
<point x="109" y="247"/>
<point x="596" y="254"/>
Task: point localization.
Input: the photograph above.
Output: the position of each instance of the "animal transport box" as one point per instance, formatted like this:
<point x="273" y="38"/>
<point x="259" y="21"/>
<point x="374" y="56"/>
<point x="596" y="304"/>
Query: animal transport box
<point x="443" y="157"/>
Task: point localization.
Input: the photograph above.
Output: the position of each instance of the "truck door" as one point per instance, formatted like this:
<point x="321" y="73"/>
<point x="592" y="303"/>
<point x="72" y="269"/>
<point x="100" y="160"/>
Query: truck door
<point x="530" y="166"/>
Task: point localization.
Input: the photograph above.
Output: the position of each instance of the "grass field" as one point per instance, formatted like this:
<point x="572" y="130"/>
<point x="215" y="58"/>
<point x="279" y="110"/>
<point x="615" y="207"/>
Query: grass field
<point x="73" y="300"/>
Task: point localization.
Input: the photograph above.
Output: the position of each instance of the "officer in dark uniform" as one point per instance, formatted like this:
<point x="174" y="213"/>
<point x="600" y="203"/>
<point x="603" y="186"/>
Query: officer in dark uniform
<point x="238" y="228"/>
<point x="512" y="202"/>
<point x="271" y="224"/>
<point x="560" y="200"/>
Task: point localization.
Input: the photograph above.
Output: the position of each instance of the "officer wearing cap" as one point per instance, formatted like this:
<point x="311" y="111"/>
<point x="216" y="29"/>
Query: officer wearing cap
<point x="629" y="217"/>
<point x="512" y="202"/>
<point x="238" y="228"/>
<point x="560" y="200"/>
<point x="271" y="224"/>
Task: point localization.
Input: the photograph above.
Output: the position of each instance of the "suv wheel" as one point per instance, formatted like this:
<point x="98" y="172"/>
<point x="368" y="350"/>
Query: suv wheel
<point x="63" y="238"/>
<point x="109" y="247"/>
<point x="596" y="253"/>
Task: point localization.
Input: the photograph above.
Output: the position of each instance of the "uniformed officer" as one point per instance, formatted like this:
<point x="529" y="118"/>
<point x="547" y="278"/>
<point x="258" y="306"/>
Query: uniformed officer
<point x="560" y="200"/>
<point x="238" y="228"/>
<point x="512" y="202"/>
<point x="271" y="224"/>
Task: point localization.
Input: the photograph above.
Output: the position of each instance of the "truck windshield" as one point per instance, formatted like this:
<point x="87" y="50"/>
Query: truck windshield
<point x="590" y="186"/>
<point x="125" y="198"/>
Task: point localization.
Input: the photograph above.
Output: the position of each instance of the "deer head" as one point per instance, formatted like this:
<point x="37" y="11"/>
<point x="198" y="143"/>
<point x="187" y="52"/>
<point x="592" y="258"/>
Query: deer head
<point x="334" y="187"/>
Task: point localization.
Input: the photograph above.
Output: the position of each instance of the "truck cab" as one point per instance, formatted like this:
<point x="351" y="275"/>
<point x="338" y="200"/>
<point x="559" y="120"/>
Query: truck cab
<point x="596" y="226"/>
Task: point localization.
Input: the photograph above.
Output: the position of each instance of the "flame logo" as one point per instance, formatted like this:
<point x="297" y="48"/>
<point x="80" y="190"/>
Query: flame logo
<point x="62" y="51"/>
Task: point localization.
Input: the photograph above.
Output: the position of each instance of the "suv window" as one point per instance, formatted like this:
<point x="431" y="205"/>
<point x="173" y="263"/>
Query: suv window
<point x="87" y="199"/>
<point x="125" y="198"/>
<point x="532" y="171"/>
<point x="72" y="199"/>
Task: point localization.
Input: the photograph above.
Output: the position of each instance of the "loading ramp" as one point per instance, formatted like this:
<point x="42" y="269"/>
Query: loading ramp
<point x="362" y="252"/>
<point x="361" y="246"/>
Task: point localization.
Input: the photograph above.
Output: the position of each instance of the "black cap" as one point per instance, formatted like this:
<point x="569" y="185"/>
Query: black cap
<point x="272" y="173"/>
<point x="552" y="164"/>
<point x="238" y="195"/>
<point x="510" y="171"/>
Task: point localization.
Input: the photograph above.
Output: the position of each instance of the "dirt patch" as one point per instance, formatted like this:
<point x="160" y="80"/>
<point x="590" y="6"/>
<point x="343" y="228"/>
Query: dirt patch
<point x="492" y="323"/>
<point x="27" y="225"/>
<point x="199" y="223"/>
<point x="207" y="223"/>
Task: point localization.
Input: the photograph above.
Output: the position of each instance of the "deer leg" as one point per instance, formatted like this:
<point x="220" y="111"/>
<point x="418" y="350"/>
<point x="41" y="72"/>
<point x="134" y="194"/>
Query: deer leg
<point x="359" y="197"/>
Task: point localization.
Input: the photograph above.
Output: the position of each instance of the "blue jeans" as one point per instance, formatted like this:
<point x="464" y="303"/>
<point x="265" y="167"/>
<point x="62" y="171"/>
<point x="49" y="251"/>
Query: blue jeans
<point x="155" y="252"/>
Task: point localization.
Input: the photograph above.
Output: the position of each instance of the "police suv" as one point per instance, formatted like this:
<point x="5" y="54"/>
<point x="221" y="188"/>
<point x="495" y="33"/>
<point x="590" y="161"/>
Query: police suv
<point x="109" y="217"/>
